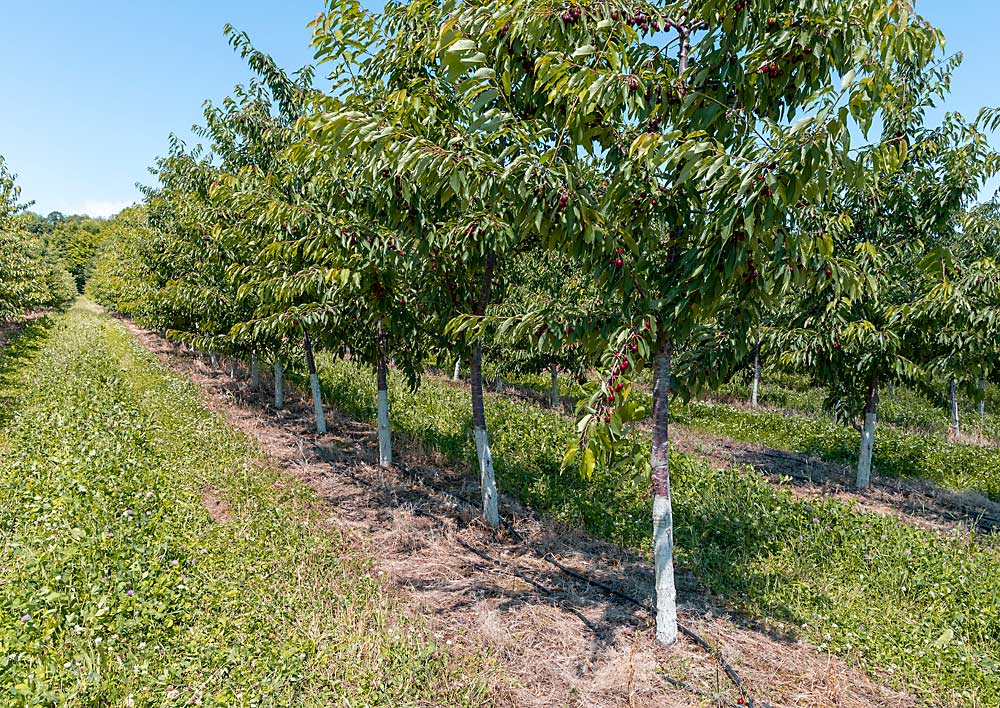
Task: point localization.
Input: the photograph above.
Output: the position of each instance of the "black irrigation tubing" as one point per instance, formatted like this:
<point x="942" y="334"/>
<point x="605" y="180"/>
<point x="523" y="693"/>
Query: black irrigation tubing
<point x="483" y="554"/>
<point x="548" y="558"/>
<point x="686" y="631"/>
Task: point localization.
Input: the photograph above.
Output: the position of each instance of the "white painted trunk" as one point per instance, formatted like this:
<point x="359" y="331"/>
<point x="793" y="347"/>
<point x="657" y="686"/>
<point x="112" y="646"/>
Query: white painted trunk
<point x="486" y="478"/>
<point x="499" y="387"/>
<point x="663" y="558"/>
<point x="981" y="405"/>
<point x="554" y="371"/>
<point x="663" y="521"/>
<point x="233" y="368"/>
<point x="867" y="448"/>
<point x="215" y="360"/>
<point x="892" y="390"/>
<point x="317" y="403"/>
<point x="254" y="370"/>
<point x="953" y="404"/>
<point x="279" y="394"/>
<point x="458" y="369"/>
<point x="384" y="433"/>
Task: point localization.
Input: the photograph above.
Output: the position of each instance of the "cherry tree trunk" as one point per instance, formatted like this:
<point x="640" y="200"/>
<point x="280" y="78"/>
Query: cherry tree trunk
<point x="981" y="405"/>
<point x="317" y="395"/>
<point x="486" y="478"/>
<point x="214" y="359"/>
<point x="868" y="438"/>
<point x="384" y="433"/>
<point x="554" y="372"/>
<point x="458" y="369"/>
<point x="953" y="404"/>
<point x="279" y="392"/>
<point x="254" y="370"/>
<point x="756" y="375"/>
<point x="663" y="523"/>
<point x="892" y="389"/>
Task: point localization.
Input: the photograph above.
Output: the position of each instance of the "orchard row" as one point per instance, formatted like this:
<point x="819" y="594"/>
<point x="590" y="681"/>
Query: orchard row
<point x="617" y="187"/>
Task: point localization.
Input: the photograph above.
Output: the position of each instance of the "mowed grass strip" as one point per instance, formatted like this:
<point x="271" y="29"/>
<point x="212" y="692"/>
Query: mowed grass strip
<point x="918" y="609"/>
<point x="118" y="588"/>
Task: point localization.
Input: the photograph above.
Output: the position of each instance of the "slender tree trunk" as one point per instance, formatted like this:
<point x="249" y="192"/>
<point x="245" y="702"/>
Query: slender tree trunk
<point x="314" y="386"/>
<point x="756" y="375"/>
<point x="384" y="433"/>
<point x="663" y="523"/>
<point x="554" y="373"/>
<point x="499" y="384"/>
<point x="458" y="369"/>
<point x="254" y="370"/>
<point x="279" y="393"/>
<point x="214" y="358"/>
<point x="486" y="478"/>
<point x="892" y="389"/>
<point x="233" y="369"/>
<point x="981" y="404"/>
<point x="953" y="404"/>
<point x="868" y="438"/>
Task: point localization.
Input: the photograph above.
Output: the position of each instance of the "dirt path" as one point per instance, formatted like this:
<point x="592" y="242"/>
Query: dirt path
<point x="913" y="501"/>
<point x="559" y="641"/>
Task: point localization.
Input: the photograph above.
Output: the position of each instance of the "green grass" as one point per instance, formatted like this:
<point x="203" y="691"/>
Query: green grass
<point x="116" y="587"/>
<point x="918" y="609"/>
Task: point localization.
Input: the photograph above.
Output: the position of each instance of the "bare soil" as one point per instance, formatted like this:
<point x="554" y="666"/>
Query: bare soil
<point x="556" y="640"/>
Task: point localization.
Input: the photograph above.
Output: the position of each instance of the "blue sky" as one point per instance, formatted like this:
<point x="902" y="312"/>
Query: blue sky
<point x="90" y="90"/>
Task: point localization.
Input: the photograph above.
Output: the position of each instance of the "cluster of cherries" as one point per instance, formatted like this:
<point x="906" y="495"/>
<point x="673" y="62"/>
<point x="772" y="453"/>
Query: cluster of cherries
<point x="571" y="15"/>
<point x="618" y="262"/>
<point x="607" y="405"/>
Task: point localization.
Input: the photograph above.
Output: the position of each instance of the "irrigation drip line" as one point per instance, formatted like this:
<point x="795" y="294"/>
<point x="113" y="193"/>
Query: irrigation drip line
<point x="547" y="557"/>
<point x="727" y="668"/>
<point x="483" y="554"/>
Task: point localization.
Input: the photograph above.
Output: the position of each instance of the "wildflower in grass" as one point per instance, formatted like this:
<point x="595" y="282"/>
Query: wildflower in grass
<point x="131" y="592"/>
<point x="25" y="618"/>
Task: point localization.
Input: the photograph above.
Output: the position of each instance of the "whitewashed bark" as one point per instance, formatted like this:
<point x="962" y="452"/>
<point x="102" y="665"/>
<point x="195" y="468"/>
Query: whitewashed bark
<point x="981" y="405"/>
<point x="663" y="523"/>
<point x="756" y="376"/>
<point x="384" y="434"/>
<point x="233" y="370"/>
<point x="953" y="404"/>
<point x="254" y="370"/>
<point x="384" y="431"/>
<point x="317" y="394"/>
<point x="867" y="440"/>
<point x="892" y="389"/>
<point x="214" y="359"/>
<point x="486" y="478"/>
<point x="554" y="372"/>
<point x="279" y="395"/>
<point x="458" y="369"/>
<point x="499" y="384"/>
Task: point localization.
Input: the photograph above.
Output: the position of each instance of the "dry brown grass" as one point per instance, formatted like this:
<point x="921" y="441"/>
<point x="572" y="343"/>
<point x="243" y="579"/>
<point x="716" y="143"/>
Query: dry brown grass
<point x="567" y="644"/>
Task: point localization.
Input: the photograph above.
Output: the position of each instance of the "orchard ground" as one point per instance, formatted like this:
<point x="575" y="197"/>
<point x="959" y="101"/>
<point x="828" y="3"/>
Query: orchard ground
<point x="315" y="559"/>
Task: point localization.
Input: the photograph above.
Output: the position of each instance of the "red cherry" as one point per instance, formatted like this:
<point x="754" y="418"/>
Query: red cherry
<point x="828" y="272"/>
